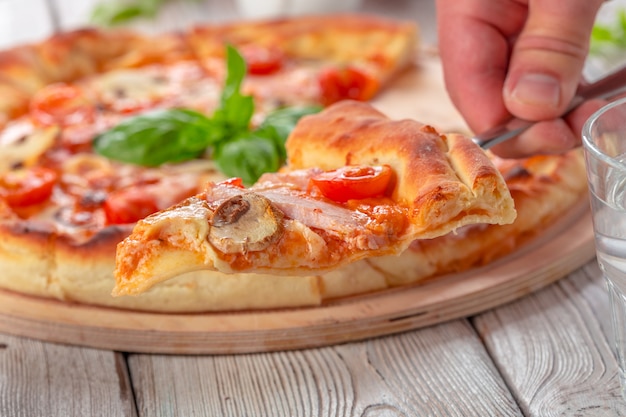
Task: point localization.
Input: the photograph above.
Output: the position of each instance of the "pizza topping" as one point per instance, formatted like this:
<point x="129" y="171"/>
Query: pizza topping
<point x="233" y="182"/>
<point x="245" y="223"/>
<point x="156" y="137"/>
<point x="176" y="135"/>
<point x="22" y="146"/>
<point x="330" y="218"/>
<point x="61" y="104"/>
<point x="25" y="187"/>
<point x="353" y="182"/>
<point x="346" y="83"/>
<point x="262" y="61"/>
<point x="132" y="90"/>
<point x="128" y="91"/>
<point x="129" y="205"/>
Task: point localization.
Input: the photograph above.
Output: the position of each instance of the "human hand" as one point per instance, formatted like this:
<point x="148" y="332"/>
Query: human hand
<point x="521" y="58"/>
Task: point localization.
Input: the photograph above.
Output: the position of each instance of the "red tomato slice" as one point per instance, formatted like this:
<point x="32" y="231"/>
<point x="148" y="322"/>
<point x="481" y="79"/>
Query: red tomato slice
<point x="353" y="182"/>
<point x="25" y="187"/>
<point x="129" y="206"/>
<point x="234" y="181"/>
<point x="262" y="61"/>
<point x="346" y="83"/>
<point x="61" y="104"/>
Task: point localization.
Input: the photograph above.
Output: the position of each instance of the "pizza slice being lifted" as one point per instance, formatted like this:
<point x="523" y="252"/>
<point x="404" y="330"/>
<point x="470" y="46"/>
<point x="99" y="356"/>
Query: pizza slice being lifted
<point x="356" y="185"/>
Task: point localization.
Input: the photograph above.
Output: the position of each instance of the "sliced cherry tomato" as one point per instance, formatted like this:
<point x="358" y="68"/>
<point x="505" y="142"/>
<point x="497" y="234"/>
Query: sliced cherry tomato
<point x="25" y="187"/>
<point x="346" y="83"/>
<point x="353" y="182"/>
<point x="129" y="205"/>
<point x="262" y="61"/>
<point x="234" y="181"/>
<point x="61" y="104"/>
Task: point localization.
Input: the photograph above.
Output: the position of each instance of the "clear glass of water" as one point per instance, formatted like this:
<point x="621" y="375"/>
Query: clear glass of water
<point x="604" y="141"/>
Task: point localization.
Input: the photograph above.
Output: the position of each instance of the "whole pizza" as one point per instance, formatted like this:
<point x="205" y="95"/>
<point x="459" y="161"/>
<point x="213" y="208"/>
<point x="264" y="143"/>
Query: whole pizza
<point x="240" y="166"/>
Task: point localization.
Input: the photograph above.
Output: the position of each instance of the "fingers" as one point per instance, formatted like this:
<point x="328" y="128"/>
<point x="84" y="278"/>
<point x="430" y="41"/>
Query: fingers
<point x="548" y="57"/>
<point x="474" y="47"/>
<point x="522" y="58"/>
<point x="550" y="137"/>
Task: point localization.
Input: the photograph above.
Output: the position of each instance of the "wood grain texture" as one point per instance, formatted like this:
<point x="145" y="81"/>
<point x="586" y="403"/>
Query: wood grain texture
<point x="551" y="349"/>
<point x="38" y="379"/>
<point x="428" y="373"/>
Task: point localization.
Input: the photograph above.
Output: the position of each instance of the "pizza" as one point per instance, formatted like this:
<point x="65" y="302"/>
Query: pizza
<point x="104" y="131"/>
<point x="356" y="185"/>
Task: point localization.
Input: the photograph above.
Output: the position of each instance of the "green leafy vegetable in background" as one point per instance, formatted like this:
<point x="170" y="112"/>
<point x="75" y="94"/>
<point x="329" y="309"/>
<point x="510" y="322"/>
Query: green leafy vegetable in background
<point x="176" y="135"/>
<point x="117" y="12"/>
<point x="609" y="35"/>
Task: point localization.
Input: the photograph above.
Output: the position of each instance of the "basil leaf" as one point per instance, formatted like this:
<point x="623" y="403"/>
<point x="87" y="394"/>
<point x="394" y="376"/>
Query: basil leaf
<point x="271" y="134"/>
<point x="117" y="12"/>
<point x="284" y="119"/>
<point x="176" y="135"/>
<point x="248" y="156"/>
<point x="157" y="137"/>
<point x="236" y="109"/>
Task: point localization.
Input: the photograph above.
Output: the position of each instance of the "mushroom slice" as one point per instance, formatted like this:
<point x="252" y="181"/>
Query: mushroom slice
<point x="245" y="223"/>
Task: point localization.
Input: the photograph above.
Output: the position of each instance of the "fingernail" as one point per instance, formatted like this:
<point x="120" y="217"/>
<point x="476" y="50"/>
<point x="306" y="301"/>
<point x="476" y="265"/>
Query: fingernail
<point x="537" y="90"/>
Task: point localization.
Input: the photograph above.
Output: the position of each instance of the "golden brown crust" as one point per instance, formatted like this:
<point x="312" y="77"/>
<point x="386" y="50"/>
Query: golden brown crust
<point x="26" y="257"/>
<point x="31" y="253"/>
<point x="438" y="177"/>
<point x="376" y="45"/>
<point x="69" y="56"/>
<point x="13" y="102"/>
<point x="84" y="273"/>
<point x="35" y="263"/>
<point x="544" y="188"/>
<point x="310" y="36"/>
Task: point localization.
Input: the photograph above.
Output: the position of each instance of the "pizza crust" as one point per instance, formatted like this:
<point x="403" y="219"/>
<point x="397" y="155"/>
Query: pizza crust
<point x="543" y="188"/>
<point x="445" y="180"/>
<point x="381" y="46"/>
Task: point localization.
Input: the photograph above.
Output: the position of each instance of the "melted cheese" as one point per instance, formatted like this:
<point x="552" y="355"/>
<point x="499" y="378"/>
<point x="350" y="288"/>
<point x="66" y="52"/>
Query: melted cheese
<point x="21" y="145"/>
<point x="181" y="85"/>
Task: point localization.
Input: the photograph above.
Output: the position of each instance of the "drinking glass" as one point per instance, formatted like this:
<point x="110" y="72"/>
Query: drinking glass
<point x="604" y="142"/>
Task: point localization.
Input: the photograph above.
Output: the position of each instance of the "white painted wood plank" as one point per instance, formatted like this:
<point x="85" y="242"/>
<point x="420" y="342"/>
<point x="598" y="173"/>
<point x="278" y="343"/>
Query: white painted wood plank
<point x="38" y="379"/>
<point x="439" y="371"/>
<point x="552" y="350"/>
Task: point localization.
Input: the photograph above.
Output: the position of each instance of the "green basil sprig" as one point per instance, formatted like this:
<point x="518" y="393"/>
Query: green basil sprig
<point x="175" y="135"/>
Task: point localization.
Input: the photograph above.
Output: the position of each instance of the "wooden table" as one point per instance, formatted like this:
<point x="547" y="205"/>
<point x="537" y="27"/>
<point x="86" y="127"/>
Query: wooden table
<point x="546" y="354"/>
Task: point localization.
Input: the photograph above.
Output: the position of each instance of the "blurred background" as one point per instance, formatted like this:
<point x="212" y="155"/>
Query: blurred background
<point x="46" y="17"/>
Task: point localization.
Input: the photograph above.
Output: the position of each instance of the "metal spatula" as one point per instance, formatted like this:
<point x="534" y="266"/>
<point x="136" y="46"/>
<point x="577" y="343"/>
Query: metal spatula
<point x="607" y="87"/>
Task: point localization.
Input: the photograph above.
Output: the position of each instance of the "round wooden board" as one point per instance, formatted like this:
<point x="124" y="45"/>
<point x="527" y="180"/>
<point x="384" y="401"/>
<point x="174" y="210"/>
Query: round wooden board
<point x="560" y="250"/>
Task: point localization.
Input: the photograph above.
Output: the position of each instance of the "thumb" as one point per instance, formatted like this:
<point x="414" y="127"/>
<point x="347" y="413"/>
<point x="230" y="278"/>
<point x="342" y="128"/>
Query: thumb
<point x="548" y="57"/>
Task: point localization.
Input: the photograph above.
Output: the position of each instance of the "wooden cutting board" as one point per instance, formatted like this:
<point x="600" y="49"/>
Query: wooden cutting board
<point x="417" y="94"/>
